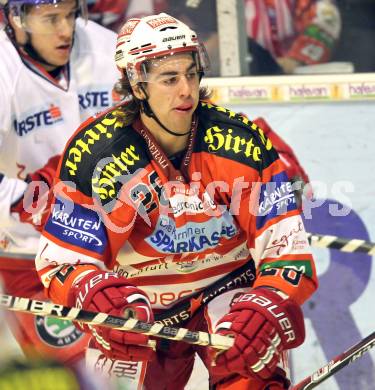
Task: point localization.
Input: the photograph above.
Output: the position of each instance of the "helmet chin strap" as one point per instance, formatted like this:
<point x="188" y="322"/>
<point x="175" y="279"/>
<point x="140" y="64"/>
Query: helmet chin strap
<point x="145" y="107"/>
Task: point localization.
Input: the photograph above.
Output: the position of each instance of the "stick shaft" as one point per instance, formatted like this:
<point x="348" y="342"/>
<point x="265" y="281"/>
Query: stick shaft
<point x="341" y="244"/>
<point x="242" y="277"/>
<point x="43" y="308"/>
<point x="337" y="363"/>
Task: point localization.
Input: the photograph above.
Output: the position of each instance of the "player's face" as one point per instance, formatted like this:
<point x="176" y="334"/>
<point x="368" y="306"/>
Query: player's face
<point x="51" y="28"/>
<point x="173" y="90"/>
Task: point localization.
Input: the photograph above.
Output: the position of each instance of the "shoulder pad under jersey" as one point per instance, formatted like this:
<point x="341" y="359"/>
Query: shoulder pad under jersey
<point x="103" y="148"/>
<point x="228" y="134"/>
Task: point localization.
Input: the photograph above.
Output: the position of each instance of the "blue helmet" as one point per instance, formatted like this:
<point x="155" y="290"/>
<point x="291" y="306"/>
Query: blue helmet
<point x="36" y="2"/>
<point x="32" y="2"/>
<point x="18" y="9"/>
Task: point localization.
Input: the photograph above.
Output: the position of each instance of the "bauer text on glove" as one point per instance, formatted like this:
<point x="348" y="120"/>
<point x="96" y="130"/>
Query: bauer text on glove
<point x="264" y="324"/>
<point x="110" y="293"/>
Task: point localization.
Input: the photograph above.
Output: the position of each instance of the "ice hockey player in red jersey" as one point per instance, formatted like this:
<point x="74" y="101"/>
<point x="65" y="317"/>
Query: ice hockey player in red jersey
<point x="173" y="209"/>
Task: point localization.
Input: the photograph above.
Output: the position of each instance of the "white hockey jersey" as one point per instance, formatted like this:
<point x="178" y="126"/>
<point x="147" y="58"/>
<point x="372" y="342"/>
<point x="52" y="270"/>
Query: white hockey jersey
<point x="37" y="117"/>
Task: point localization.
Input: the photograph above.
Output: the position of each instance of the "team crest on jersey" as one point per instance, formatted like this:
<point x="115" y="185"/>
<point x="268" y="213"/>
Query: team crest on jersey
<point x="42" y="117"/>
<point x="57" y="332"/>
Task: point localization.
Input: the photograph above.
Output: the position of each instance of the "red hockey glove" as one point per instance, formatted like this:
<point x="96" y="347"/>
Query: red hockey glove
<point x="263" y="324"/>
<point x="32" y="207"/>
<point x="110" y="293"/>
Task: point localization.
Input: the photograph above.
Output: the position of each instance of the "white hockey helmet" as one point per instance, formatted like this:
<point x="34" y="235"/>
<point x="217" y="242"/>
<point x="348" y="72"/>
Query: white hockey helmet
<point x="153" y="37"/>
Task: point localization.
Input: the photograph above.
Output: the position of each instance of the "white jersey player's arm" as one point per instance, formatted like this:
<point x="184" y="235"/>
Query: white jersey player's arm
<point x="11" y="189"/>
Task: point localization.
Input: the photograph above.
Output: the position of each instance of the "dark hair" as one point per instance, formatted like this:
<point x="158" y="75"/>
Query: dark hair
<point x="131" y="108"/>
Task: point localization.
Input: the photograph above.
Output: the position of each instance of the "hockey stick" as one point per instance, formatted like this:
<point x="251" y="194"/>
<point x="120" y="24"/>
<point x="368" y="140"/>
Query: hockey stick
<point x="241" y="277"/>
<point x="43" y="308"/>
<point x="341" y="244"/>
<point x="336" y="364"/>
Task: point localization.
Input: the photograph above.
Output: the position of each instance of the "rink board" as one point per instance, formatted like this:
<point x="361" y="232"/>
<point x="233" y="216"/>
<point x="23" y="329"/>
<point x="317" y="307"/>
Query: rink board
<point x="333" y="137"/>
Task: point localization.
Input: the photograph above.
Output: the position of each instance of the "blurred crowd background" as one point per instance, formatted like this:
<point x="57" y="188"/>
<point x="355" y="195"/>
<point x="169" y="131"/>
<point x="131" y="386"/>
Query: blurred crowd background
<point x="282" y="35"/>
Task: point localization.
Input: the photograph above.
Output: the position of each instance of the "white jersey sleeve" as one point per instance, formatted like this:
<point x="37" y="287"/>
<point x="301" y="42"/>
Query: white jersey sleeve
<point x="11" y="189"/>
<point x="5" y="104"/>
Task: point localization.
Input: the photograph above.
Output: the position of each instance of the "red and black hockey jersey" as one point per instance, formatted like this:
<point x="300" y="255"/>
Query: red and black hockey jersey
<point x="121" y="205"/>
